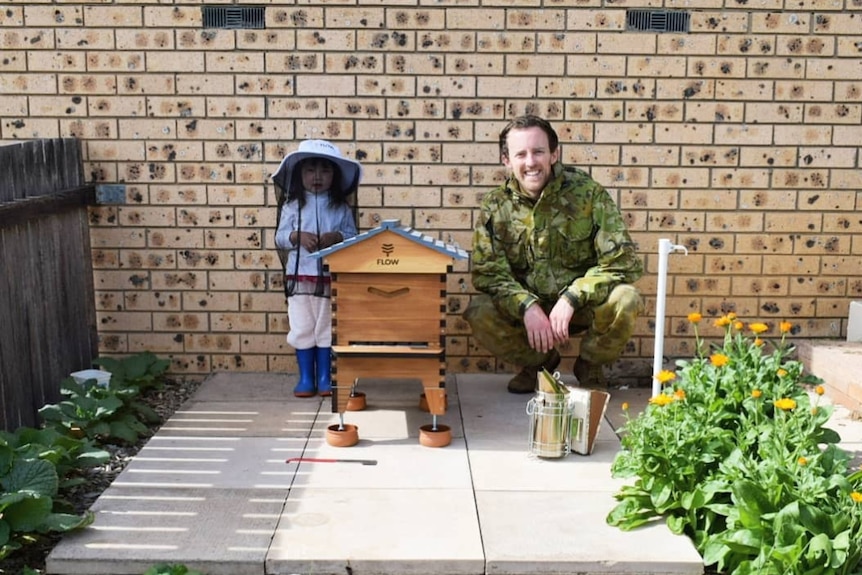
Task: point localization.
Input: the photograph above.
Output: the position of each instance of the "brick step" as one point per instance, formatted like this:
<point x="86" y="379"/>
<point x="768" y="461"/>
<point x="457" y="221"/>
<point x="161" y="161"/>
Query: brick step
<point x="839" y="365"/>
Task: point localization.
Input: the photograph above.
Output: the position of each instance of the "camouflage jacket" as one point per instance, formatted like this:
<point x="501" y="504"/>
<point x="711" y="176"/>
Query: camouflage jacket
<point x="572" y="242"/>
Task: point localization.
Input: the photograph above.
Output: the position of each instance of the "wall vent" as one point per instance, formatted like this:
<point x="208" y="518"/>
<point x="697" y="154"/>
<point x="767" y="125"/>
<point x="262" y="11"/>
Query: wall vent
<point x="234" y="17"/>
<point x="657" y="20"/>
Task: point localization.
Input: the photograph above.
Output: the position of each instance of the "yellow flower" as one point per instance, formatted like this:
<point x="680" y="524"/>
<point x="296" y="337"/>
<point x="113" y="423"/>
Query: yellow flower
<point x="781" y="372"/>
<point x="661" y="400"/>
<point x="719" y="359"/>
<point x="785" y="327"/>
<point x="755" y="393"/>
<point x="694" y="317"/>
<point x="731" y="316"/>
<point x="819" y="390"/>
<point x="722" y="321"/>
<point x="665" y="376"/>
<point x="757" y="342"/>
<point x="802" y="461"/>
<point x="679" y="394"/>
<point x="625" y="406"/>
<point x="785" y="403"/>
<point x="856" y="496"/>
<point x="758" y="328"/>
<point x="738" y="325"/>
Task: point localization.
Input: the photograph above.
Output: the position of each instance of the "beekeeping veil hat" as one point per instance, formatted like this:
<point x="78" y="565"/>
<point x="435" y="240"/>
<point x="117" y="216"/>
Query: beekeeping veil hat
<point x="351" y="170"/>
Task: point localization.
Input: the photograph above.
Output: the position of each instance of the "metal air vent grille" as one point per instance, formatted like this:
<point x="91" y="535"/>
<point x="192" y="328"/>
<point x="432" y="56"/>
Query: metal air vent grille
<point x="658" y="20"/>
<point x="233" y="17"/>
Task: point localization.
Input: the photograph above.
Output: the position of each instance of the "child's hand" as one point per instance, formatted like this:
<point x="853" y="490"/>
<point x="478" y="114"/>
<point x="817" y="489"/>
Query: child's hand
<point x="306" y="240"/>
<point x="329" y="238"/>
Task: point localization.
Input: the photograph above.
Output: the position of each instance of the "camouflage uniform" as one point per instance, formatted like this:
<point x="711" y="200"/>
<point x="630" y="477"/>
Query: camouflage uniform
<point x="572" y="243"/>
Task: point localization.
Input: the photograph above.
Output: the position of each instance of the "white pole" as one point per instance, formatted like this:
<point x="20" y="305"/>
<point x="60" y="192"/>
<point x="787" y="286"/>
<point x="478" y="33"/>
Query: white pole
<point x="665" y="248"/>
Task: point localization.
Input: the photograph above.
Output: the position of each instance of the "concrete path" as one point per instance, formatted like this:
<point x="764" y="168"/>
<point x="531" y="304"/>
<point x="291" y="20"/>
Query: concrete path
<point x="212" y="490"/>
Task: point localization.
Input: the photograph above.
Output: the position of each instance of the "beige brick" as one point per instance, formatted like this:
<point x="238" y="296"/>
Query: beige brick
<point x="784" y="178"/>
<point x="846" y="180"/>
<point x="517" y="19"/>
<point x="714" y="243"/>
<point x="188" y="194"/>
<point x="846" y="22"/>
<point x="759" y="286"/>
<point x="29" y="39"/>
<point x="105" y="259"/>
<point x="744" y="90"/>
<point x="591" y="66"/>
<point x="386" y="86"/>
<point x="115" y="16"/>
<point x="770" y="199"/>
<point x="617" y="177"/>
<point x="606" y="133"/>
<point x="206" y="40"/>
<point x="149" y="83"/>
<point x="843" y="135"/>
<point x="419" y="18"/>
<point x="212" y="342"/>
<point x="69" y="106"/>
<point x="780" y="22"/>
<point x="168" y="62"/>
<point x="47" y="61"/>
<point x="672" y="88"/>
<point x="301" y="17"/>
<point x="77" y="84"/>
<point x="89" y="129"/>
<point x="122" y="280"/>
<point x="632" y="44"/>
<point x="206" y="260"/>
<point x="801" y="222"/>
<point x="847" y="91"/>
<point x="470" y="18"/>
<point x="460" y="198"/>
<point x="238" y="322"/>
<point x="740" y="177"/>
<point x="745" y="134"/>
<point x="123" y="321"/>
<point x="802" y="134"/>
<point x="768" y="156"/>
<point x="355" y="17"/>
<point x="724" y="67"/>
<point x="690" y="45"/>
<point x="386" y="40"/>
<point x="115" y="150"/>
<point x="595" y="111"/>
<point x="841" y="113"/>
<point x="779" y="68"/>
<point x="172" y="17"/>
<point x="143" y="40"/>
<point x="724" y="22"/>
<point x="79" y="39"/>
<point x="13" y="61"/>
<point x="12" y="16"/>
<point x="113" y="106"/>
<point x="182" y="280"/>
<point x="115" y="61"/>
<point x="169" y="150"/>
<point x="714" y="112"/>
<point x="848" y="47"/>
<point x="708" y="199"/>
<point x="250" y="62"/>
<point x="746" y="45"/>
<point x="13" y="106"/>
<point x="166" y="343"/>
<point x="266" y="39"/>
<point x="734" y="221"/>
<point x="839" y="265"/>
<point x="415" y="108"/>
<point x="509" y="42"/>
<point x="586" y="154"/>
<point x="204" y="84"/>
<point x="210" y="301"/>
<point x="828" y="158"/>
<point x="51" y="16"/>
<point x="114" y="237"/>
<point x="190" y="365"/>
<point x="150" y="301"/>
<point x="23" y="129"/>
<point x="150" y="259"/>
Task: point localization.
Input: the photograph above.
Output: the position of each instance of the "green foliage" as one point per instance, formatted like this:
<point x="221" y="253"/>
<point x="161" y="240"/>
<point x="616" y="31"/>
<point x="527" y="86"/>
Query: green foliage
<point x="166" y="569"/>
<point x="734" y="453"/>
<point x="109" y="413"/>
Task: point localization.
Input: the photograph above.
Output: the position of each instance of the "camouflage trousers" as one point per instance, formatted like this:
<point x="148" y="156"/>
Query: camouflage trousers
<point x="608" y="327"/>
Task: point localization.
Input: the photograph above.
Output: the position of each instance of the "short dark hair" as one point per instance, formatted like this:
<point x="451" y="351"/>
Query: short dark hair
<point x="528" y="121"/>
<point x="296" y="191"/>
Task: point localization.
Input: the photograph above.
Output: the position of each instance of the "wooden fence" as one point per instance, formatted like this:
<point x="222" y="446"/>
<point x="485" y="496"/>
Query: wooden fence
<point x="47" y="305"/>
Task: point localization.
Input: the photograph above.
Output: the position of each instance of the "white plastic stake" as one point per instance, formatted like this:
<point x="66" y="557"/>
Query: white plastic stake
<point x="665" y="248"/>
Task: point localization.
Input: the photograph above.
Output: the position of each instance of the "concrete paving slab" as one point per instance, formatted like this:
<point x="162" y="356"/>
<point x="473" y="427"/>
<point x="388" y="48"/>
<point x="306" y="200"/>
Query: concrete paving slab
<point x="565" y="532"/>
<point x="284" y="418"/>
<point x="251" y="463"/>
<point x="380" y="531"/>
<point x="251" y="386"/>
<point x="219" y="532"/>
<point x="392" y="423"/>
<point x="407" y="466"/>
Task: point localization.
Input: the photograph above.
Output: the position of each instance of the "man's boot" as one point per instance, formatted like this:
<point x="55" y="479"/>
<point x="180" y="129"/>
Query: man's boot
<point x="527" y="378"/>
<point x="590" y="375"/>
<point x="305" y="386"/>
<point x="324" y="371"/>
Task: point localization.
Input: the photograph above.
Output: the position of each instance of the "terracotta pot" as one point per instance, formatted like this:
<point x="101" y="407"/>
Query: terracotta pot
<point x="346" y="437"/>
<point x="356" y="401"/>
<point x="429" y="437"/>
<point x="423" y="403"/>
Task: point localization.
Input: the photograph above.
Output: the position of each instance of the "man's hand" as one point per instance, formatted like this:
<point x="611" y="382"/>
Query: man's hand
<point x="539" y="331"/>
<point x="560" y="318"/>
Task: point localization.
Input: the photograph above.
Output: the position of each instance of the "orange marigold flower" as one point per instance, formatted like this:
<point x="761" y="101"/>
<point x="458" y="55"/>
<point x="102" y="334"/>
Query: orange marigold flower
<point x="856" y="496"/>
<point x="731" y="315"/>
<point x="719" y="359"/>
<point x="755" y="393"/>
<point x="723" y="321"/>
<point x="757" y="342"/>
<point x="785" y="327"/>
<point x="661" y="400"/>
<point x="665" y="376"/>
<point x="694" y="317"/>
<point x="819" y="390"/>
<point x="781" y="372"/>
<point x="785" y="403"/>
<point x="758" y="327"/>
<point x="679" y="394"/>
<point x="625" y="406"/>
<point x="738" y="325"/>
<point x="802" y="461"/>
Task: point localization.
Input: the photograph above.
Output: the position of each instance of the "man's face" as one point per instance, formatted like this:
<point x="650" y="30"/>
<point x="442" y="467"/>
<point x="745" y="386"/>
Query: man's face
<point x="317" y="175"/>
<point x="530" y="159"/>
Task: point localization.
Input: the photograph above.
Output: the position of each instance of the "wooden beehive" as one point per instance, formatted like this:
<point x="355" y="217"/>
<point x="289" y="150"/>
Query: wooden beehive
<point x="388" y="307"/>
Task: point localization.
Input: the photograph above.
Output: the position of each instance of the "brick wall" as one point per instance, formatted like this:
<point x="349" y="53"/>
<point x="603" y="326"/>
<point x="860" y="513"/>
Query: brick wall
<point x="738" y="140"/>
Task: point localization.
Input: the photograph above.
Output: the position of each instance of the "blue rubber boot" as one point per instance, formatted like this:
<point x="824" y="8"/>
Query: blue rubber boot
<point x="305" y="386"/>
<point x="324" y="371"/>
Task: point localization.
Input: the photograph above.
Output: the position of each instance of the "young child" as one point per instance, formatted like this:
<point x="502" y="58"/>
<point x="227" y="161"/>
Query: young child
<point x="316" y="180"/>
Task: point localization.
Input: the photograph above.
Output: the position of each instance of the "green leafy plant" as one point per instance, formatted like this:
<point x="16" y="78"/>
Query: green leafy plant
<point x="734" y="453"/>
<point x="109" y="413"/>
<point x="27" y="502"/>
